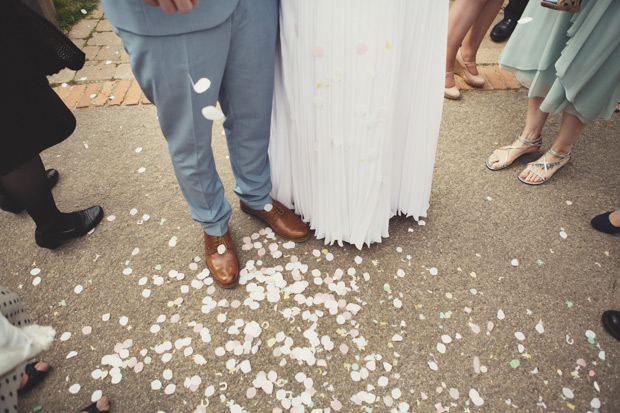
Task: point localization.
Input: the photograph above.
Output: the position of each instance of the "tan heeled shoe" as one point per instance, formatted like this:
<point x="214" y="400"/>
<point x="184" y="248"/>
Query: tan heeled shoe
<point x="451" y="92"/>
<point x="461" y="69"/>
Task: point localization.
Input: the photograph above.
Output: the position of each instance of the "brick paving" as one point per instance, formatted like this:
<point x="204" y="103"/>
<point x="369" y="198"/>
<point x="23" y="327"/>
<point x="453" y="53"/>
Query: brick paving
<point x="106" y="78"/>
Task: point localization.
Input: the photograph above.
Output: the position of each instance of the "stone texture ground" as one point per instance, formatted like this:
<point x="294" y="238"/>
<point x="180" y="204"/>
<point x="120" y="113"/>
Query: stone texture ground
<point x="438" y="317"/>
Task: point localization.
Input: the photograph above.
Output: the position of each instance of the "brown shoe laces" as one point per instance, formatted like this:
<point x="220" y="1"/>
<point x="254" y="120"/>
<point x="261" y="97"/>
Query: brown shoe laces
<point x="275" y="211"/>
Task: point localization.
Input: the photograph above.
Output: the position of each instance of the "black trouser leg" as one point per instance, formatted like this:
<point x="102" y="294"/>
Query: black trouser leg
<point x="514" y="9"/>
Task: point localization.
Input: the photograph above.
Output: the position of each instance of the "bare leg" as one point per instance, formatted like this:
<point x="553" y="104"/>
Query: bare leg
<point x="570" y="130"/>
<point x="462" y="16"/>
<point x="614" y="218"/>
<point x="473" y="39"/>
<point x="534" y="123"/>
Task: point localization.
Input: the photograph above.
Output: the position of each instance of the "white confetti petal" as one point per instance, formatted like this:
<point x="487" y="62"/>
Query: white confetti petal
<point x="568" y="393"/>
<point x="75" y="388"/>
<point x="475" y="397"/>
<point x="212" y="113"/>
<point x="202" y="85"/>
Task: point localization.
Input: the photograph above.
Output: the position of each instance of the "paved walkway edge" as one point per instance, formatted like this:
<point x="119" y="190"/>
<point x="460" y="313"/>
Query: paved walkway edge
<point x="127" y="92"/>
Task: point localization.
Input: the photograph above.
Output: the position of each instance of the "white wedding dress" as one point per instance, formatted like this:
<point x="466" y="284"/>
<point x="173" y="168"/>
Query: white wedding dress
<point x="357" y="109"/>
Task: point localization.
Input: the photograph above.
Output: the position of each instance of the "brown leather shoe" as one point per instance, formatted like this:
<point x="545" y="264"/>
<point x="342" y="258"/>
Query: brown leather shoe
<point x="222" y="260"/>
<point x="282" y="220"/>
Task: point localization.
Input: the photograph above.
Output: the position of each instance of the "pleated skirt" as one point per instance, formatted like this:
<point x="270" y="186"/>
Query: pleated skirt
<point x="357" y="109"/>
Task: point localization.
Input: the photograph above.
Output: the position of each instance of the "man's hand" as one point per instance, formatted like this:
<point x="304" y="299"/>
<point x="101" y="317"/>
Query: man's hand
<point x="173" y="6"/>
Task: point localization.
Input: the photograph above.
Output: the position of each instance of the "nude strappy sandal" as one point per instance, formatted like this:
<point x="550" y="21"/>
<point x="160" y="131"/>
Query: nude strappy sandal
<point x="504" y="163"/>
<point x="461" y="68"/>
<point x="547" y="167"/>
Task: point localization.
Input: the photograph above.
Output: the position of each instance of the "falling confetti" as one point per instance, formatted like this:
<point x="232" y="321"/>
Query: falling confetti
<point x="212" y="113"/>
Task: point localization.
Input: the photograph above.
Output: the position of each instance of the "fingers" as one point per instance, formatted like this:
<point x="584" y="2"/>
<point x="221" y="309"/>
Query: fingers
<point x="153" y="3"/>
<point x="185" y="6"/>
<point x="168" y="6"/>
<point x="172" y="6"/>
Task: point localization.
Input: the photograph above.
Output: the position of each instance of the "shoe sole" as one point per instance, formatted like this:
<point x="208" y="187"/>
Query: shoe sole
<point x="227" y="286"/>
<point x="250" y="212"/>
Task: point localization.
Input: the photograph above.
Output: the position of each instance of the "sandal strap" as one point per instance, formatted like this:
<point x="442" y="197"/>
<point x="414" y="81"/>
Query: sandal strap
<point x="535" y="142"/>
<point x="546" y="165"/>
<point x="528" y="144"/>
<point x="557" y="155"/>
<point x="536" y="173"/>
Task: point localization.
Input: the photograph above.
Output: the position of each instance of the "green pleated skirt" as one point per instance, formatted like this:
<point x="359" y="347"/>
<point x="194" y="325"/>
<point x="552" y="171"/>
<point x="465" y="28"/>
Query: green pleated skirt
<point x="570" y="59"/>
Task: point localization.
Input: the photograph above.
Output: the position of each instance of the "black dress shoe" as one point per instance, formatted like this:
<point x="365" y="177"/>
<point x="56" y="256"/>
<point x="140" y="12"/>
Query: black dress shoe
<point x="87" y="220"/>
<point x="503" y="29"/>
<point x="611" y="321"/>
<point x="8" y="204"/>
<point x="603" y="224"/>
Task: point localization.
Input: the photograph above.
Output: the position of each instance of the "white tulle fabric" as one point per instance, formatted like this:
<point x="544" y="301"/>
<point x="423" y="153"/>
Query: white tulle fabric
<point x="357" y="109"/>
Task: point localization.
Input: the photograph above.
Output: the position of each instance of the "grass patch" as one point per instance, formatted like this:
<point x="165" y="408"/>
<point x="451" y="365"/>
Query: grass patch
<point x="69" y="12"/>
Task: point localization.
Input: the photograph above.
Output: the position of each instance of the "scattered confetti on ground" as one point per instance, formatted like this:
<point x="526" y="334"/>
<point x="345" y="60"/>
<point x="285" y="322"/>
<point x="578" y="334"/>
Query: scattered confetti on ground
<point x="320" y="328"/>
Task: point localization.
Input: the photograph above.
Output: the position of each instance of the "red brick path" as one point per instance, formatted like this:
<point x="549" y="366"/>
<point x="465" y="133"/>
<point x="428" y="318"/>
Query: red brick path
<point x="128" y="93"/>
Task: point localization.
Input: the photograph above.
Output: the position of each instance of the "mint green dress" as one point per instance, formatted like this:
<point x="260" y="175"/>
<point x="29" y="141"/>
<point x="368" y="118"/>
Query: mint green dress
<point x="570" y="59"/>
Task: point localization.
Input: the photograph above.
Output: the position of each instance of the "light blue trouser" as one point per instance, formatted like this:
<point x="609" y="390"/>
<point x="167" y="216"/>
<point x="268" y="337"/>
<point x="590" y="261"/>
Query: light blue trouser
<point x="238" y="57"/>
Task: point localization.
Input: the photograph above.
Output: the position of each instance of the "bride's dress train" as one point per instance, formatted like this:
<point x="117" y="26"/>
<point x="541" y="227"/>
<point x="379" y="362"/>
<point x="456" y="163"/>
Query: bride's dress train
<point x="357" y="108"/>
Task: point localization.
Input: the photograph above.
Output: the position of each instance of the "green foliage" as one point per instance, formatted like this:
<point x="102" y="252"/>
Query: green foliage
<point x="69" y="12"/>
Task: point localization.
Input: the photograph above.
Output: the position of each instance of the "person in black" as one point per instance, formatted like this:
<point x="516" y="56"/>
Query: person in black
<point x="33" y="119"/>
<point x="512" y="13"/>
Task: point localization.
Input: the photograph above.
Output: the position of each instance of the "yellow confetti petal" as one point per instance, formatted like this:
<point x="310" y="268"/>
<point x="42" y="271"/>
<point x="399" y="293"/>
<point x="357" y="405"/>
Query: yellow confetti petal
<point x="388" y="45"/>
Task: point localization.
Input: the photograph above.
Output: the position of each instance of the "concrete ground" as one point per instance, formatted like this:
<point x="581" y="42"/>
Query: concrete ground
<point x="438" y="317"/>
<point x="457" y="304"/>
